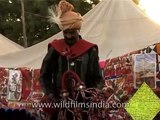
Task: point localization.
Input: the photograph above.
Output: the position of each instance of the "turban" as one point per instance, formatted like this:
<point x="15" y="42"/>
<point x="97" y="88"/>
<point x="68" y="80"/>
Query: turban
<point x="64" y="16"/>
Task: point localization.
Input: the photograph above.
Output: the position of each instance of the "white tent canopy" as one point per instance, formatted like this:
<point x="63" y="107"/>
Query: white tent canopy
<point x="117" y="26"/>
<point x="7" y="46"/>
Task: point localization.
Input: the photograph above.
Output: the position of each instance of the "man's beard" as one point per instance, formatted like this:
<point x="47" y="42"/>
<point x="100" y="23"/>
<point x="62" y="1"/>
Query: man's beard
<point x="70" y="41"/>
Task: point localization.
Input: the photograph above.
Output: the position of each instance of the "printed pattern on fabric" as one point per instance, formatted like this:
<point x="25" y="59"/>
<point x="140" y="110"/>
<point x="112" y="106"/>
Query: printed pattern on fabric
<point x="122" y="67"/>
<point x="14" y="85"/>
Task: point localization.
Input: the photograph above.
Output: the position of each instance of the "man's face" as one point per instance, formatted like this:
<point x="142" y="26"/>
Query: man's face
<point x="71" y="36"/>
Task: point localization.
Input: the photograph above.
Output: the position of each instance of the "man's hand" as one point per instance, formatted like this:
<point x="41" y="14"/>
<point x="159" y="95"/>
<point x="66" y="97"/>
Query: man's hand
<point x="48" y="98"/>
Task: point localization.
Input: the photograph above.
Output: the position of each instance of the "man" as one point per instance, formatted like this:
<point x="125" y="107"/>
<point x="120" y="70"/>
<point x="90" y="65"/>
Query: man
<point x="71" y="53"/>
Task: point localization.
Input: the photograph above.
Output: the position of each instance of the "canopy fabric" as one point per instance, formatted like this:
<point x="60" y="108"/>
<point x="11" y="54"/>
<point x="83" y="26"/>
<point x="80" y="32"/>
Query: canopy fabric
<point x="7" y="46"/>
<point x="117" y="26"/>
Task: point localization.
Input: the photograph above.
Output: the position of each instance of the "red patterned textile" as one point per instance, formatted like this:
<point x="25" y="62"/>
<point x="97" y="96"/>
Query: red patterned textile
<point x="36" y="89"/>
<point x="26" y="82"/>
<point x="3" y="86"/>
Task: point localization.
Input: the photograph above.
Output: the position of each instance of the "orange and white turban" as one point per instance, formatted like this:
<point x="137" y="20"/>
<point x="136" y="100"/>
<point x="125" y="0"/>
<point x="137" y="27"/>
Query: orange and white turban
<point x="65" y="17"/>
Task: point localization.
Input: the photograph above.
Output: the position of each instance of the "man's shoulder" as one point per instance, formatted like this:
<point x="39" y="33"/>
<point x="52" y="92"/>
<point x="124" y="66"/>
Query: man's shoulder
<point x="84" y="42"/>
<point x="87" y="42"/>
<point x="55" y="43"/>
